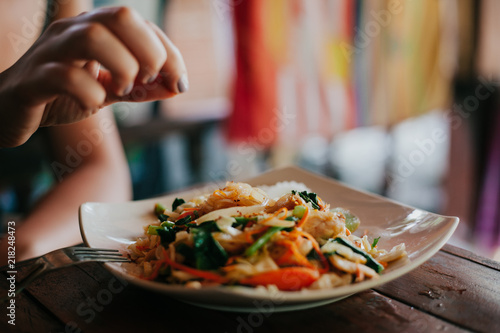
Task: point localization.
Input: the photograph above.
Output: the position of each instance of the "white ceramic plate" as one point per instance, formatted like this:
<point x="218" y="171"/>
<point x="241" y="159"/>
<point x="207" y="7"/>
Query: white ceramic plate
<point x="116" y="225"/>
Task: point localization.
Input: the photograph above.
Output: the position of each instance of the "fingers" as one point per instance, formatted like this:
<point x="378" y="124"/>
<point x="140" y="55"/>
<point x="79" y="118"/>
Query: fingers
<point x="171" y="81"/>
<point x="174" y="70"/>
<point x="94" y="41"/>
<point x="139" y="38"/>
<point x="56" y="78"/>
<point x="119" y="39"/>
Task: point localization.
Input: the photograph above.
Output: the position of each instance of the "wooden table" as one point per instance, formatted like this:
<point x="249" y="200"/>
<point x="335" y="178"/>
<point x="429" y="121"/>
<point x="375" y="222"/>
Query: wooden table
<point x="454" y="291"/>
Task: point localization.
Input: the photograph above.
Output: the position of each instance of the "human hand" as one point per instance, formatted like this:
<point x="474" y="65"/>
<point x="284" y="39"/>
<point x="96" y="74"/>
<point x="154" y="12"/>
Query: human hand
<point x="83" y="63"/>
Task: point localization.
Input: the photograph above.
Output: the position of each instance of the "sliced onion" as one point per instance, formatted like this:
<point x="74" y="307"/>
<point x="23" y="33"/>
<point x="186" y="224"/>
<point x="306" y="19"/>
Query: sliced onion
<point x="231" y="211"/>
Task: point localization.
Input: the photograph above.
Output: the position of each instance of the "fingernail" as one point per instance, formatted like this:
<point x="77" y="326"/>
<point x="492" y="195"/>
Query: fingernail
<point x="151" y="79"/>
<point x="128" y="89"/>
<point x="183" y="84"/>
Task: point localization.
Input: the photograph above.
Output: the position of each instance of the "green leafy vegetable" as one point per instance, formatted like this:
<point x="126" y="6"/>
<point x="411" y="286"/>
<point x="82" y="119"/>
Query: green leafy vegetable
<point x="163" y="217"/>
<point x="177" y="202"/>
<point x="184" y="220"/>
<point x="208" y="253"/>
<point x="375" y="241"/>
<point x="167" y="234"/>
<point x="309" y="197"/>
<point x="186" y="251"/>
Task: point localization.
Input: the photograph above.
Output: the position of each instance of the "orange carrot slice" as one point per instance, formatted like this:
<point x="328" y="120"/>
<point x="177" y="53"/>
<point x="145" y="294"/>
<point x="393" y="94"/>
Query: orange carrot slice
<point x="304" y="218"/>
<point x="288" y="279"/>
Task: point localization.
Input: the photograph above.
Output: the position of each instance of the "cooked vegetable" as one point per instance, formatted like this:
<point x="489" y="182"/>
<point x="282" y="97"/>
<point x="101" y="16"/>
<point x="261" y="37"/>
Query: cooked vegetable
<point x="159" y="208"/>
<point x="289" y="278"/>
<point x="163" y="217"/>
<point x="375" y="242"/>
<point x="370" y="262"/>
<point x="177" y="202"/>
<point x="208" y="253"/>
<point x="167" y="234"/>
<point x="167" y="224"/>
<point x="196" y="272"/>
<point x="252" y="249"/>
<point x="299" y="211"/>
<point x="292" y="218"/>
<point x="186" y="251"/>
<point x="183" y="220"/>
<point x="242" y="220"/>
<point x="231" y="211"/>
<point x="152" y="229"/>
<point x="304" y="217"/>
<point x="309" y="197"/>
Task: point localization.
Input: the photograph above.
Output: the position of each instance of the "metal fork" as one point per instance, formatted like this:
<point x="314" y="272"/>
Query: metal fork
<point x="64" y="257"/>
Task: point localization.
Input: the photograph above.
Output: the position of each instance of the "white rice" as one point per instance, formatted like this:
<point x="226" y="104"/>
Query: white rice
<point x="281" y="188"/>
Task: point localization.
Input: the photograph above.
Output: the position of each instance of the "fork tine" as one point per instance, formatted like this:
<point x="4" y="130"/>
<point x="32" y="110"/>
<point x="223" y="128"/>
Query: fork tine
<point x="83" y="254"/>
<point x="91" y="249"/>
<point x="107" y="259"/>
<point x="97" y="254"/>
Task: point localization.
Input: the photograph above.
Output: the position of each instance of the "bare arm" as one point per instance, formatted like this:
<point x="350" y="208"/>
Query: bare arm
<point x="97" y="172"/>
<point x="89" y="165"/>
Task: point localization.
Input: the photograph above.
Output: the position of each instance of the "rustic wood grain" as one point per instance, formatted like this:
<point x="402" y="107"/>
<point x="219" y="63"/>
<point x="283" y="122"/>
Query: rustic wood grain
<point x="135" y="309"/>
<point x="471" y="256"/>
<point x="30" y="315"/>
<point x="129" y="310"/>
<point x="68" y="293"/>
<point x="458" y="290"/>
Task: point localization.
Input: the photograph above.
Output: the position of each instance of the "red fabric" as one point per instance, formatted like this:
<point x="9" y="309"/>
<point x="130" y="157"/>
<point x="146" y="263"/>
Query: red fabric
<point x="255" y="88"/>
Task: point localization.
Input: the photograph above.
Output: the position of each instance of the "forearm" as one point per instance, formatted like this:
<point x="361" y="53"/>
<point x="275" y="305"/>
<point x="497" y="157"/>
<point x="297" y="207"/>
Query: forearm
<point x="101" y="174"/>
<point x="54" y="221"/>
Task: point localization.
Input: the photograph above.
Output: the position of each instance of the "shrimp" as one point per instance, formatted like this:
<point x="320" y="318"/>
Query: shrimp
<point x="323" y="225"/>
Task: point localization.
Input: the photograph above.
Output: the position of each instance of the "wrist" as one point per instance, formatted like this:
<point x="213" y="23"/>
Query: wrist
<point x="14" y="122"/>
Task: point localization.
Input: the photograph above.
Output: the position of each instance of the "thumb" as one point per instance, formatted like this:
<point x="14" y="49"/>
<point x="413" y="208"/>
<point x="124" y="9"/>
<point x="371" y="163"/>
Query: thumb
<point x="93" y="68"/>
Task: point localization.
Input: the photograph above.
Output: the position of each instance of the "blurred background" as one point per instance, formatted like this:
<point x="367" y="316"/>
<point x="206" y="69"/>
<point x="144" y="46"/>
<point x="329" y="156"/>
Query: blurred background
<point x="395" y="97"/>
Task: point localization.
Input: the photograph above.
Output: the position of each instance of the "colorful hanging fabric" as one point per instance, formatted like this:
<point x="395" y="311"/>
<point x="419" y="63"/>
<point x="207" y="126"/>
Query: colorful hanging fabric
<point x="333" y="65"/>
<point x="255" y="87"/>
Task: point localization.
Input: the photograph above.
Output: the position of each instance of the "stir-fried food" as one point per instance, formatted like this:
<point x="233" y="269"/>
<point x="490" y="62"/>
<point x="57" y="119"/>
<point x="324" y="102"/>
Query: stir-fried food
<point x="239" y="235"/>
